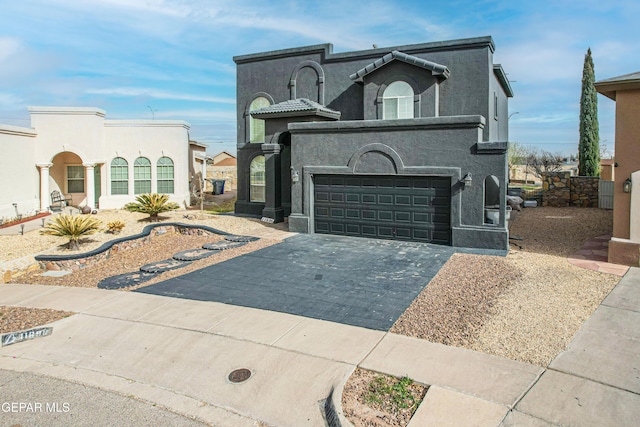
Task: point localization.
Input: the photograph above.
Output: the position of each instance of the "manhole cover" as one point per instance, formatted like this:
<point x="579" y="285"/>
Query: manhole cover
<point x="239" y="375"/>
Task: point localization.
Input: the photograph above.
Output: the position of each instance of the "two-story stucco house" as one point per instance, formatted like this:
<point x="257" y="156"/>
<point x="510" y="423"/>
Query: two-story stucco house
<point x="407" y="142"/>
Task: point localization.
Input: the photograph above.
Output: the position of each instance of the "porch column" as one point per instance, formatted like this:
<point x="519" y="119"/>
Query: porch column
<point x="273" y="205"/>
<point x="90" y="189"/>
<point x="44" y="186"/>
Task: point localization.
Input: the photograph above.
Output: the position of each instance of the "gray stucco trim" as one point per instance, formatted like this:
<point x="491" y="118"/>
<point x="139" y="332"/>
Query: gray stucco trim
<point x="424" y="123"/>
<point x="326" y="49"/>
<point x="320" y="79"/>
<point x="436" y="69"/>
<point x="502" y="78"/>
<point x="492" y="147"/>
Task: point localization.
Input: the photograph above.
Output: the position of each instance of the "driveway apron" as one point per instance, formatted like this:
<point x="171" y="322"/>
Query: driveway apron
<point x="355" y="281"/>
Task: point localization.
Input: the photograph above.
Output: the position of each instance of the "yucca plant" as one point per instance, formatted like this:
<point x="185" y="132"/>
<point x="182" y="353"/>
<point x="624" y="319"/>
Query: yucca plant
<point x="72" y="227"/>
<point x="115" y="227"/>
<point x="151" y="204"/>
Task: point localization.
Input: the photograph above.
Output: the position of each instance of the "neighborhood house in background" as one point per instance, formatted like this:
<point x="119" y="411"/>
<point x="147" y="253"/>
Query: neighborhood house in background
<point x="94" y="162"/>
<point x="403" y="143"/>
<point x="624" y="246"/>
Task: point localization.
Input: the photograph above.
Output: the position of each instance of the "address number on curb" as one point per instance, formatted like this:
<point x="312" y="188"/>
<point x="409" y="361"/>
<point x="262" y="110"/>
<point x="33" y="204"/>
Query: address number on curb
<point x="16" y="337"/>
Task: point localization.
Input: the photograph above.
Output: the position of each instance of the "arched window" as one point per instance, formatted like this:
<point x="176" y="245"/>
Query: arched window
<point x="142" y="176"/>
<point x="119" y="176"/>
<point x="397" y="101"/>
<point x="256" y="126"/>
<point x="257" y="180"/>
<point x="165" y="175"/>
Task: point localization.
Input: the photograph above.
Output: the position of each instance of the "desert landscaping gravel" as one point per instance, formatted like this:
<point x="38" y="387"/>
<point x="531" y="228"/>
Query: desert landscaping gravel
<point x="526" y="306"/>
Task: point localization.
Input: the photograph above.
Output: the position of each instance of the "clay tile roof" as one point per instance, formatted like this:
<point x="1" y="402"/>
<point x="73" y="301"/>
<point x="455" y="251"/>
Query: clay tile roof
<point x="436" y="69"/>
<point x="295" y="107"/>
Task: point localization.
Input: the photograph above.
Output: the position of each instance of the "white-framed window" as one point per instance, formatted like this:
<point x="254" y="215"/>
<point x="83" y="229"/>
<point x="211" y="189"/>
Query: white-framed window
<point x="119" y="176"/>
<point x="141" y="176"/>
<point x="397" y="101"/>
<point x="75" y="179"/>
<point x="256" y="126"/>
<point x="164" y="171"/>
<point x="257" y="180"/>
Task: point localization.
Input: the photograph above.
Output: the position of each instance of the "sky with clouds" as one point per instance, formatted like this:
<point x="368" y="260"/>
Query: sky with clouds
<point x="172" y="59"/>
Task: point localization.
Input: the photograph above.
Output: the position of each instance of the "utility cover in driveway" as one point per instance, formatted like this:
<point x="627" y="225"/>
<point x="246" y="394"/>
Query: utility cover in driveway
<point x="413" y="208"/>
<point x="361" y="282"/>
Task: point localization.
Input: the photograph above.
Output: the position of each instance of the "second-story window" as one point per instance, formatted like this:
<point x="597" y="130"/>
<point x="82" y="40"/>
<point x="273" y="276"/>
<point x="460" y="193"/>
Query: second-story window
<point x="397" y="101"/>
<point x="256" y="130"/>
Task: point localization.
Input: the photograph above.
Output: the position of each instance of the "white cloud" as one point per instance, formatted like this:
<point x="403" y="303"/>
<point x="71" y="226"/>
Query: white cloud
<point x="9" y="46"/>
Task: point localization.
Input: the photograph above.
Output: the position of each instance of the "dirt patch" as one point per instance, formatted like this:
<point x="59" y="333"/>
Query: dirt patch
<point x="370" y="399"/>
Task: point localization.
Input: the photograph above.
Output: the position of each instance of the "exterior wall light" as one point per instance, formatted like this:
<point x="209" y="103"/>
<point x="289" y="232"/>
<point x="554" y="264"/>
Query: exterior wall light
<point x="295" y="176"/>
<point x="467" y="180"/>
<point x="626" y="185"/>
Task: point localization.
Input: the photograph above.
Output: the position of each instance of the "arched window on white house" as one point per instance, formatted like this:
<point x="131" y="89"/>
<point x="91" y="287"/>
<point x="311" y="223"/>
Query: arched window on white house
<point x="397" y="101"/>
<point x="119" y="176"/>
<point x="164" y="171"/>
<point x="141" y="176"/>
<point x="257" y="180"/>
<point x="256" y="126"/>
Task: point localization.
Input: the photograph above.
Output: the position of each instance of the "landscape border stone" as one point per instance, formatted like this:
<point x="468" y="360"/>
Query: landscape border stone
<point x="81" y="260"/>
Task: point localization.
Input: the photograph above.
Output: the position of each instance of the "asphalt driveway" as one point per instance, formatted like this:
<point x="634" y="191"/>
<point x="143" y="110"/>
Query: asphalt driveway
<point x="354" y="281"/>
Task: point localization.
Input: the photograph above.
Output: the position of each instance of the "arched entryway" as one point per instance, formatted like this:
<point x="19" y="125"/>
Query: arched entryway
<point x="77" y="180"/>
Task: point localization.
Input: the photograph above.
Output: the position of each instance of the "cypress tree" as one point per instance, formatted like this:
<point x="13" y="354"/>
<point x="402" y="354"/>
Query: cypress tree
<point x="588" y="148"/>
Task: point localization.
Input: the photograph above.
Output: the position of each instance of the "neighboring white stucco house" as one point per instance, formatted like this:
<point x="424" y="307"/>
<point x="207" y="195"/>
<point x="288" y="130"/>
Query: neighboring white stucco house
<point x="92" y="161"/>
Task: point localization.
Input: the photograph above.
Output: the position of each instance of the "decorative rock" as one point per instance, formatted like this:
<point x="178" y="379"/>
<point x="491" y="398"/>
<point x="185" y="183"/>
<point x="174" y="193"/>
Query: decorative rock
<point x="192" y="254"/>
<point x="222" y="245"/>
<point x="238" y="238"/>
<point x="164" y="265"/>
<point x="125" y="280"/>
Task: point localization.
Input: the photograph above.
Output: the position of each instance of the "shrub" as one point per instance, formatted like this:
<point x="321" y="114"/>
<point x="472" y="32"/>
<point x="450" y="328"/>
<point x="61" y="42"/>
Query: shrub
<point x="115" y="226"/>
<point x="151" y="204"/>
<point x="72" y="227"/>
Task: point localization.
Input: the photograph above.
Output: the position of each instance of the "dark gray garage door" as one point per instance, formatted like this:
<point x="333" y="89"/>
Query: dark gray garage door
<point x="384" y="207"/>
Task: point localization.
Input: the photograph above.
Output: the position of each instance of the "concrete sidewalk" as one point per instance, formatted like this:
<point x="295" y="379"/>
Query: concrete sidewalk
<point x="177" y="354"/>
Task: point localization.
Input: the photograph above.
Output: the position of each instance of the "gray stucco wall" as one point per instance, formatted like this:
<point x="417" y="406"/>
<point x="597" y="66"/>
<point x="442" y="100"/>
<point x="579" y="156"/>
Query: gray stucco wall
<point x="445" y="146"/>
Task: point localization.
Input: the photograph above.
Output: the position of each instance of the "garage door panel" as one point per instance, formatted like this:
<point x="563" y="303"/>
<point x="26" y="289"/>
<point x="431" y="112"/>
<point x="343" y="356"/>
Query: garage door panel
<point x="387" y="207"/>
<point x="322" y="212"/>
<point x="421" y="201"/>
<point x="400" y="216"/>
<point x="369" y="198"/>
<point x="368" y="214"/>
<point x="403" y="200"/>
<point x="385" y="199"/>
<point x="352" y="198"/>
<point x="336" y="197"/>
<point x="385" y="215"/>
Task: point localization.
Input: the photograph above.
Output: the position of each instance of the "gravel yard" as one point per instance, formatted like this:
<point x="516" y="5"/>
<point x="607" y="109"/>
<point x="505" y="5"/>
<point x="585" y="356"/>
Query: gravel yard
<point x="526" y="306"/>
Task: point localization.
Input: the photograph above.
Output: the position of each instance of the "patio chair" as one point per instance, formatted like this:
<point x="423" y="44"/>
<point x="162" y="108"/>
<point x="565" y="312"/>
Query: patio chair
<point x="58" y="201"/>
